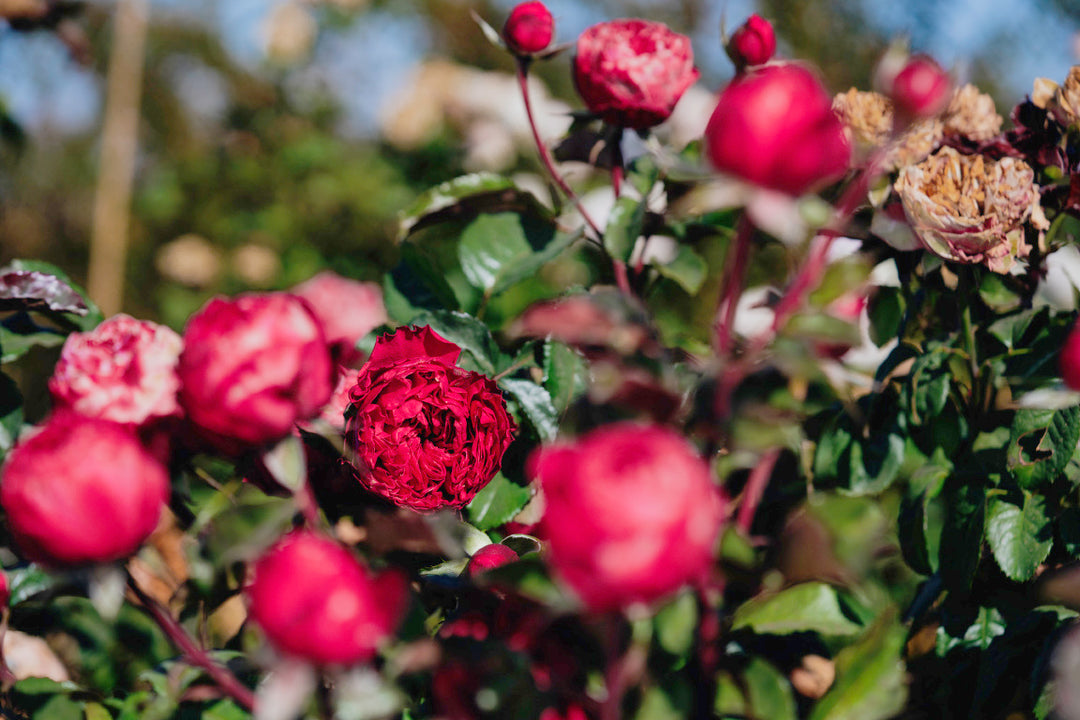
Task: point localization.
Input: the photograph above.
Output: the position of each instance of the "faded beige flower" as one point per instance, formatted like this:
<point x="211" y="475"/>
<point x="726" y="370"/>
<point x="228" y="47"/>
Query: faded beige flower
<point x="970" y="209"/>
<point x="1064" y="105"/>
<point x="971" y="114"/>
<point x="868" y="117"/>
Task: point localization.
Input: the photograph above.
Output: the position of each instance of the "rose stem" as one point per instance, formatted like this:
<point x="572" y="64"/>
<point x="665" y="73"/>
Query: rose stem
<point x="755" y="489"/>
<point x="622" y="278"/>
<point x="545" y="154"/>
<point x="731" y="285"/>
<point x="194" y="654"/>
<point x="613" y="674"/>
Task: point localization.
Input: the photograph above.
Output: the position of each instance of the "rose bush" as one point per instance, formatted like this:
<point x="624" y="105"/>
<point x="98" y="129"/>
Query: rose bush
<point x="251" y="368"/>
<point x="80" y="491"/>
<point x="632" y="514"/>
<point x="424" y="433"/>
<point x="774" y="126"/>
<point x="632" y="72"/>
<point x="315" y="601"/>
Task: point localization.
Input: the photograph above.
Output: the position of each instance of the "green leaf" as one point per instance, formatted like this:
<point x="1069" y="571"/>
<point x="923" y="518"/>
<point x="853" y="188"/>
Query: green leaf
<point x="27" y="581"/>
<point x="961" y="536"/>
<point x="450" y="193"/>
<point x="1068" y="529"/>
<point x="687" y="268"/>
<point x="875" y="464"/>
<point x="761" y="691"/>
<point x="535" y="403"/>
<point x="660" y="704"/>
<point x="479" y="350"/>
<point x="87" y="321"/>
<point x="676" y="624"/>
<point x="497" y="503"/>
<point x="807" y="607"/>
<point x="19" y="335"/>
<point x="886" y="312"/>
<point x="1019" y="537"/>
<point x="11" y="414"/>
<point x="489" y="243"/>
<point x="1041" y="442"/>
<point x="997" y="295"/>
<point x="624" y="227"/>
<point x="870" y="676"/>
<point x="643" y="174"/>
<point x="566" y="374"/>
<point x="913" y="530"/>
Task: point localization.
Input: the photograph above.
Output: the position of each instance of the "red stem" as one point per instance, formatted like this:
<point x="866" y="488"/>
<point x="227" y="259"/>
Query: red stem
<point x="194" y="654"/>
<point x="613" y="674"/>
<point x="755" y="490"/>
<point x="731" y="287"/>
<point x="545" y="155"/>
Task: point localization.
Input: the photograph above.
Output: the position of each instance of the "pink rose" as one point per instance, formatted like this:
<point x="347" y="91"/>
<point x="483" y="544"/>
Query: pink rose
<point x="490" y="557"/>
<point x="347" y="309"/>
<point x="529" y="28"/>
<point x="921" y="89"/>
<point x="632" y="72"/>
<point x="754" y="43"/>
<point x="424" y="433"/>
<point x="251" y="368"/>
<point x="1069" y="360"/>
<point x="124" y="371"/>
<point x="315" y="601"/>
<point x="632" y="514"/>
<point x="774" y="126"/>
<point x="81" y="490"/>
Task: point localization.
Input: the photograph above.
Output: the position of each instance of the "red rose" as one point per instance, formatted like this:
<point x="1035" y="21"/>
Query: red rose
<point x="424" y="433"/>
<point x="123" y="371"/>
<point x="490" y="557"/>
<point x="1069" y="361"/>
<point x="632" y="72"/>
<point x="314" y="600"/>
<point x="921" y="89"/>
<point x="347" y="309"/>
<point x="632" y="514"/>
<point x="81" y="491"/>
<point x="754" y="43"/>
<point x="252" y="367"/>
<point x="774" y="126"/>
<point x="529" y="28"/>
<point x="333" y="412"/>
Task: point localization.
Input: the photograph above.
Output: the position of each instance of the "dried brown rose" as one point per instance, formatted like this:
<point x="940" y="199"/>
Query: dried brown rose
<point x="868" y="117"/>
<point x="971" y="114"/>
<point x="1061" y="101"/>
<point x="971" y="209"/>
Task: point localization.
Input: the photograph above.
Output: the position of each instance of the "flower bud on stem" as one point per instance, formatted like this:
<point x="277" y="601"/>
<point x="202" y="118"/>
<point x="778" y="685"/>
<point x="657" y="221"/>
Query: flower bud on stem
<point x="193" y="654"/>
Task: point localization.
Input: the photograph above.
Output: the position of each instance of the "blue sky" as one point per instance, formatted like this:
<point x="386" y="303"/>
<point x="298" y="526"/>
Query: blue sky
<point x="362" y="64"/>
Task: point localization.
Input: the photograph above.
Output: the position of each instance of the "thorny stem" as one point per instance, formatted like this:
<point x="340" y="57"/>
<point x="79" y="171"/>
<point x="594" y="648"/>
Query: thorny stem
<point x="545" y="155"/>
<point x="755" y="490"/>
<point x="731" y="285"/>
<point x="194" y="654"/>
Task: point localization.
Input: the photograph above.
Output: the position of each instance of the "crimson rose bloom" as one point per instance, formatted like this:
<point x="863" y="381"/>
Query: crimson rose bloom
<point x="632" y="514"/>
<point x="774" y="126"/>
<point x="424" y="433"/>
<point x="754" y="43"/>
<point x="347" y="309"/>
<point x="529" y="28"/>
<point x="124" y="371"/>
<point x="632" y="72"/>
<point x="316" y="601"/>
<point x="1069" y="360"/>
<point x="252" y="367"/>
<point x="81" y="491"/>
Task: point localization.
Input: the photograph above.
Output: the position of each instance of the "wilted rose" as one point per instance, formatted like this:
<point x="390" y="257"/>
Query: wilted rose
<point x="754" y="43"/>
<point x="633" y="72"/>
<point x="252" y="367"/>
<point x="774" y="126"/>
<point x="1061" y="101"/>
<point x="316" y="601"/>
<point x="971" y="115"/>
<point x="81" y="490"/>
<point x="868" y="120"/>
<point x="124" y="371"/>
<point x="347" y="309"/>
<point x="971" y="209"/>
<point x="632" y="514"/>
<point x="529" y="28"/>
<point x="424" y="433"/>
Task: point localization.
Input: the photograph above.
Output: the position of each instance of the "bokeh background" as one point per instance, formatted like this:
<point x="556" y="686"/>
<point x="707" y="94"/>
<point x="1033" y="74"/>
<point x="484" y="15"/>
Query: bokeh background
<point x="275" y="138"/>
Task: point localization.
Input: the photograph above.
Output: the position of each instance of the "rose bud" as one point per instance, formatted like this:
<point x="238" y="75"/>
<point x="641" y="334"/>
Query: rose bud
<point x="632" y="72"/>
<point x="490" y="557"/>
<point x="921" y="89"/>
<point x="632" y="514"/>
<point x="347" y="309"/>
<point x="1069" y="361"/>
<point x="774" y="126"/>
<point x="316" y="601"/>
<point x="251" y="368"/>
<point x="81" y="491"/>
<point x="754" y="43"/>
<point x="123" y="371"/>
<point x="422" y="432"/>
<point x="529" y="29"/>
